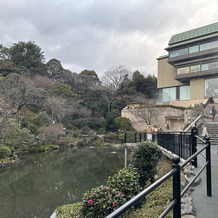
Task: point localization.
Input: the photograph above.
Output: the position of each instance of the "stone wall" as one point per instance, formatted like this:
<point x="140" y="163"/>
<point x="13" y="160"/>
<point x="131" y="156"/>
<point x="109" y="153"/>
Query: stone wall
<point x="165" y="118"/>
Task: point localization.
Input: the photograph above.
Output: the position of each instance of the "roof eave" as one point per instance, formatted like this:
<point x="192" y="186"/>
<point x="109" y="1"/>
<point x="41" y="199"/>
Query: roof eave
<point x="191" y="41"/>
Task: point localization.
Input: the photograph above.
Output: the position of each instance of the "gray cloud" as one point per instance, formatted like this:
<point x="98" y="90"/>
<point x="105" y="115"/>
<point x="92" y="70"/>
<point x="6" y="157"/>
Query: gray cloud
<point x="98" y="34"/>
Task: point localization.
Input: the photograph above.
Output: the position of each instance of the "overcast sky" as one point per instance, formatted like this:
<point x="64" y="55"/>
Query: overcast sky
<point x="99" y="34"/>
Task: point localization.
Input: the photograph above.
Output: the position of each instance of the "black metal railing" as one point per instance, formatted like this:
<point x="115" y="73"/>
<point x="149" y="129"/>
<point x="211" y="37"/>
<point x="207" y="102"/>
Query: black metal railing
<point x="179" y="143"/>
<point x="134" y="137"/>
<point x="175" y="205"/>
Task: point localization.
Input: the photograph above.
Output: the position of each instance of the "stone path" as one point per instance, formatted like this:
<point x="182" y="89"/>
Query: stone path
<point x="206" y="207"/>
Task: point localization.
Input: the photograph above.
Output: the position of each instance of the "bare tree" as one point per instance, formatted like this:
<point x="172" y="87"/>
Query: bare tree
<point x="83" y="83"/>
<point x="108" y="94"/>
<point x="150" y="115"/>
<point x="115" y="76"/>
<point x="111" y="82"/>
<point x="147" y="115"/>
<point x="56" y="107"/>
<point x="43" y="82"/>
<point x="19" y="91"/>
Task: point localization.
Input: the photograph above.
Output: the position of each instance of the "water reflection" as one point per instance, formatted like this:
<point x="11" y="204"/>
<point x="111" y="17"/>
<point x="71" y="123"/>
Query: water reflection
<point x="41" y="182"/>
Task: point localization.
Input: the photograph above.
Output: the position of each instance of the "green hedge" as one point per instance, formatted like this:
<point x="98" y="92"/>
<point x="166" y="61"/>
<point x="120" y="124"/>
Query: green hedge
<point x="126" y="181"/>
<point x="4" y="151"/>
<point x="145" y="157"/>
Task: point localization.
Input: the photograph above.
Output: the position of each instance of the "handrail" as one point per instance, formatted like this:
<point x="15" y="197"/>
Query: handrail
<point x="193" y="156"/>
<point x="192" y="181"/>
<point x="188" y="128"/>
<point x="175" y="173"/>
<point x="202" y="140"/>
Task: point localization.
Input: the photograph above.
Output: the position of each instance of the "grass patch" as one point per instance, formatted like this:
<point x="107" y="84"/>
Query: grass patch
<point x="42" y="148"/>
<point x="155" y="203"/>
<point x="68" y="211"/>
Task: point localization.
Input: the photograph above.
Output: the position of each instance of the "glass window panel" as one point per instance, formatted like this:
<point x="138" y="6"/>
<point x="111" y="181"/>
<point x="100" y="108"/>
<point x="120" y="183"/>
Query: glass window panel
<point x="169" y="94"/>
<point x="213" y="65"/>
<point x="195" y="68"/>
<point x="184" y="93"/>
<point x="183" y="51"/>
<point x="174" y="54"/>
<point x="182" y="70"/>
<point x="211" y="87"/>
<point x="193" y="49"/>
<point x="178" y="52"/>
<point x="204" y="67"/>
<point x="209" y="45"/>
<point x="209" y="66"/>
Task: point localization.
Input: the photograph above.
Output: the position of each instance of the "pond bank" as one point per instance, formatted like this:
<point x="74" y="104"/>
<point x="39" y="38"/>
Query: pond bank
<point x="8" y="164"/>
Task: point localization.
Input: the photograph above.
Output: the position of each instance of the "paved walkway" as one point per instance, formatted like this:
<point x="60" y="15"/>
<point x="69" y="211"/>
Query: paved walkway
<point x="206" y="207"/>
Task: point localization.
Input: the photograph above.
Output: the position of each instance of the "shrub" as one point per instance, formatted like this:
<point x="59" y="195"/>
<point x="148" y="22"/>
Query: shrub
<point x="111" y="137"/>
<point x="4" y="152"/>
<point x="145" y="157"/>
<point x="101" y="201"/>
<point x="43" y="119"/>
<point x="50" y="134"/>
<point x="126" y="180"/>
<point x="62" y="89"/>
<point x="123" y="123"/>
<point x="36" y="149"/>
<point x="14" y="136"/>
<point x="68" y="211"/>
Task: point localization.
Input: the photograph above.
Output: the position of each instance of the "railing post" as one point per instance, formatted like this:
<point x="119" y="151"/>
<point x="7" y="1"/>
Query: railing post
<point x="135" y="137"/>
<point x="176" y="188"/>
<point x="208" y="168"/>
<point x="194" y="145"/>
<point x="140" y="137"/>
<point x="145" y="136"/>
<point x="180" y="144"/>
<point x="125" y="161"/>
<point x="174" y="144"/>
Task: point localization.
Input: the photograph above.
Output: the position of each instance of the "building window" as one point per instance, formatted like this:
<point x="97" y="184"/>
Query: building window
<point x="183" y="70"/>
<point x="184" y="93"/>
<point x="204" y="67"/>
<point x="175" y="93"/>
<point x="169" y="94"/>
<point x="208" y="45"/>
<point x="193" y="49"/>
<point x="211" y="87"/>
<point x="179" y="52"/>
<point x="209" y="66"/>
<point x="195" y="68"/>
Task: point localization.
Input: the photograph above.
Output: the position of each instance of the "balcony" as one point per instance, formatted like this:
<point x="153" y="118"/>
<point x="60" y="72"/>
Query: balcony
<point x="188" y="76"/>
<point x="193" y="57"/>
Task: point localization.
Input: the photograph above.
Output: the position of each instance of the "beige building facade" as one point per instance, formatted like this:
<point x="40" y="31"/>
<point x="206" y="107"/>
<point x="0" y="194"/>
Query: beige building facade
<point x="188" y="74"/>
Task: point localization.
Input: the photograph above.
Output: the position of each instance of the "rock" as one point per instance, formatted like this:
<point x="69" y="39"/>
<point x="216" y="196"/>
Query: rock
<point x="196" y="182"/>
<point x="187" y="206"/>
<point x="188" y="216"/>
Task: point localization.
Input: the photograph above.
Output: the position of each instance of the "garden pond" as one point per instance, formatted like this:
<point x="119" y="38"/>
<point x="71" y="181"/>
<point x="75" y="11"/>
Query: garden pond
<point x="41" y="182"/>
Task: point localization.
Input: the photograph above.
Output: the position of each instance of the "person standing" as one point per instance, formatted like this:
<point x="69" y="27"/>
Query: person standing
<point x="213" y="112"/>
<point x="204" y="132"/>
<point x="195" y="128"/>
<point x="149" y="133"/>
